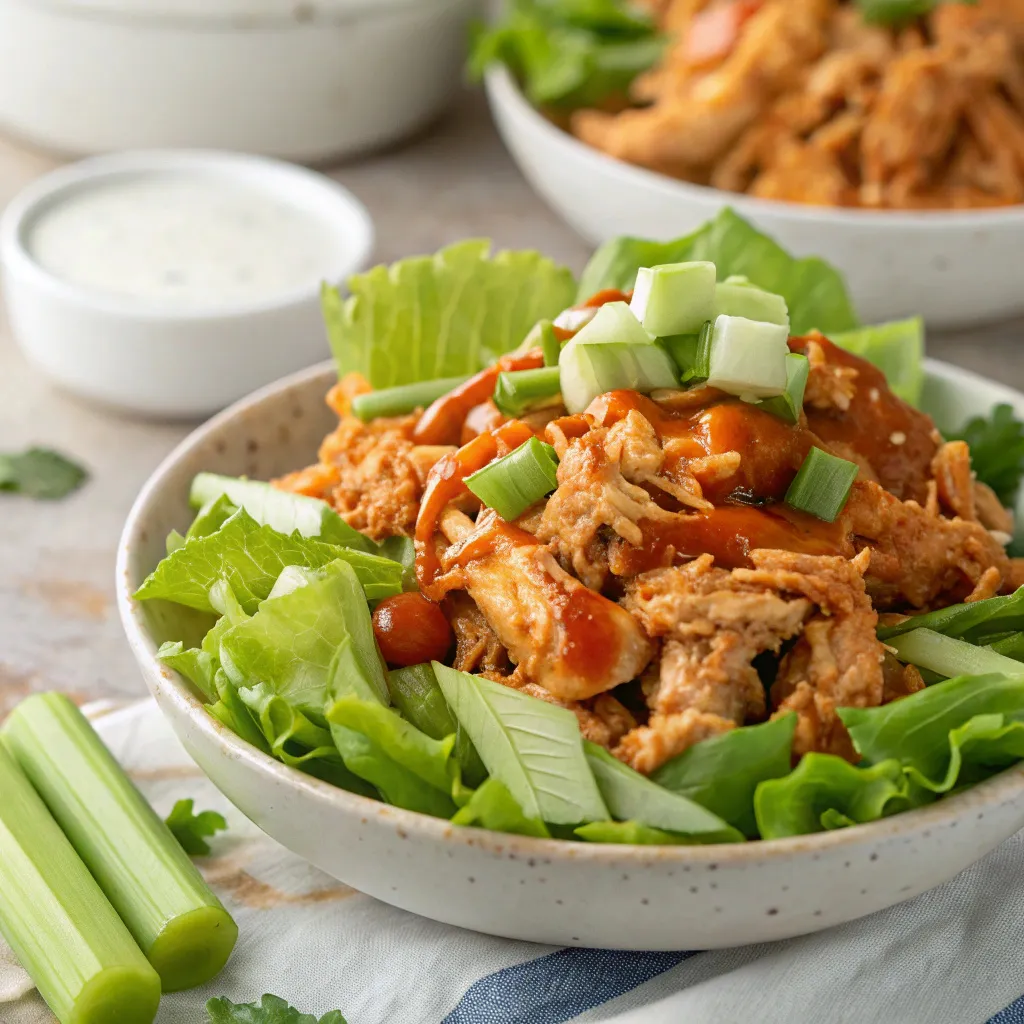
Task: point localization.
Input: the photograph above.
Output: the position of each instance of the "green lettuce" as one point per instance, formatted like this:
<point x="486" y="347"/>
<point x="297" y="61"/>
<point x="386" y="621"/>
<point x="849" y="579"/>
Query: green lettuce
<point x="212" y="515"/>
<point x="193" y="663"/>
<point x="997" y="450"/>
<point x="439" y="316"/>
<point x="493" y="807"/>
<point x="631" y="797"/>
<point x="813" y="289"/>
<point x="976" y="621"/>
<point x="896" y="348"/>
<point x="230" y="710"/>
<point x="630" y="833"/>
<point x="250" y="557"/>
<point x="533" y="747"/>
<point x="283" y="511"/>
<point x="722" y="773"/>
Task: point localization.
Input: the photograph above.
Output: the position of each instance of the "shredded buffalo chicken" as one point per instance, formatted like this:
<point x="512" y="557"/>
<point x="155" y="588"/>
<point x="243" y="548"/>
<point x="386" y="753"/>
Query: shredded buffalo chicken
<point x="802" y="100"/>
<point x="664" y="592"/>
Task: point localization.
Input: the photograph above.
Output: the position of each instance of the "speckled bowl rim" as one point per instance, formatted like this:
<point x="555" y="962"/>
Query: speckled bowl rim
<point x="1001" y="788"/>
<point x="504" y="91"/>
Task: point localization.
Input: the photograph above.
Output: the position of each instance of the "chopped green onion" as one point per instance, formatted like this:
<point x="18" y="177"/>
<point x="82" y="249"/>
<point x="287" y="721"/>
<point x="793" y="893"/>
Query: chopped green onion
<point x="588" y="371"/>
<point x="736" y="296"/>
<point x="1011" y="646"/>
<point x="976" y="621"/>
<point x="403" y="399"/>
<point x="518" y="390"/>
<point x="948" y="657"/>
<point x="743" y="357"/>
<point x="675" y="298"/>
<point x="614" y="322"/>
<point x="549" y="343"/>
<point x="63" y="931"/>
<point x="683" y="350"/>
<point x="178" y="923"/>
<point x="790" y="403"/>
<point x="822" y="485"/>
<point x="512" y="484"/>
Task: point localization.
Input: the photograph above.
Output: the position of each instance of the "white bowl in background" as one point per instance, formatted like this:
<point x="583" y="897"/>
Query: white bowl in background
<point x="957" y="267"/>
<point x="159" y="359"/>
<point x="306" y="80"/>
<point x="542" y="890"/>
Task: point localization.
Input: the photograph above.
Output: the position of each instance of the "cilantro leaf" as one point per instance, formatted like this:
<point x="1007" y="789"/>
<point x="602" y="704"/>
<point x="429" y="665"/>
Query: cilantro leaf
<point x="191" y="829"/>
<point x="40" y="473"/>
<point x="997" y="451"/>
<point x="270" y="1010"/>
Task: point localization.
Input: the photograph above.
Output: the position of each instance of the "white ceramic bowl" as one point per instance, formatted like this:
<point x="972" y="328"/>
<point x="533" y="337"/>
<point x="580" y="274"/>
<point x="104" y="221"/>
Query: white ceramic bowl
<point x="960" y="266"/>
<point x="629" y="897"/>
<point x="162" y="360"/>
<point x="303" y="79"/>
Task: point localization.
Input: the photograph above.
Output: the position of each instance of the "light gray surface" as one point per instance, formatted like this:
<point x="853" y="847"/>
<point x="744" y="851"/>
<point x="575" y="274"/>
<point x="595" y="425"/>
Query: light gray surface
<point x="58" y="623"/>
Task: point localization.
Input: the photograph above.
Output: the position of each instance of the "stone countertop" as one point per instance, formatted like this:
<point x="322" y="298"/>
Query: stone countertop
<point x="59" y="627"/>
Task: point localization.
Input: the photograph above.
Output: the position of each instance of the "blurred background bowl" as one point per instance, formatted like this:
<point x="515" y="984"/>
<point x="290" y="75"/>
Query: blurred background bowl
<point x="958" y="267"/>
<point x="306" y="80"/>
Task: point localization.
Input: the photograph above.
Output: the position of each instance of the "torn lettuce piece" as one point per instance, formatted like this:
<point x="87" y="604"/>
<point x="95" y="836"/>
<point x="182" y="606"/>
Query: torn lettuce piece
<point x="723" y="772"/>
<point x="976" y="621"/>
<point x="493" y="807"/>
<point x="630" y="833"/>
<point x="533" y="747"/>
<point x="632" y="797"/>
<point x="813" y="289"/>
<point x="896" y="348"/>
<point x="825" y="791"/>
<point x="283" y="511"/>
<point x="962" y="729"/>
<point x="211" y="517"/>
<point x="250" y="557"/>
<point x="290" y="643"/>
<point x="443" y="315"/>
<point x="195" y="664"/>
<point x="367" y="754"/>
<point x="403" y="551"/>
<point x="173" y="542"/>
<point x="231" y="710"/>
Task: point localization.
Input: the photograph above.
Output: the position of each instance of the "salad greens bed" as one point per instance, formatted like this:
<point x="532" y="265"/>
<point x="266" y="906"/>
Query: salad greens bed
<point x="281" y="590"/>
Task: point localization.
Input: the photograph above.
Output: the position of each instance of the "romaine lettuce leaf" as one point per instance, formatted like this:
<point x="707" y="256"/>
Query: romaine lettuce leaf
<point x="195" y="664"/>
<point x="533" y="747"/>
<point x="997" y="450"/>
<point x="896" y="348"/>
<point x="631" y="833"/>
<point x="211" y="517"/>
<point x="826" y="791"/>
<point x="283" y="511"/>
<point x="723" y="772"/>
<point x="974" y="621"/>
<point x="813" y="289"/>
<point x="250" y="558"/>
<point x="493" y="807"/>
<point x="231" y="711"/>
<point x="173" y="542"/>
<point x="631" y="797"/>
<point x="439" y="316"/>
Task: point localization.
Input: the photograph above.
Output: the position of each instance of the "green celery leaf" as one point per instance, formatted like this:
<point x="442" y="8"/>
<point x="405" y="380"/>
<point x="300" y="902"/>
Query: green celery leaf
<point x="211" y="517"/>
<point x="290" y="642"/>
<point x="631" y="833"/>
<point x="269" y="1010"/>
<point x="414" y="691"/>
<point x="191" y="829"/>
<point x="367" y="751"/>
<point x="632" y="797"/>
<point x="813" y="289"/>
<point x="722" y="773"/>
<point x="443" y="315"/>
<point x="493" y="807"/>
<point x="250" y="557"/>
<point x="826" y="791"/>
<point x="997" y="451"/>
<point x="533" y="747"/>
<point x="972" y="724"/>
<point x="896" y="348"/>
<point x="40" y="473"/>
<point x="283" y="511"/>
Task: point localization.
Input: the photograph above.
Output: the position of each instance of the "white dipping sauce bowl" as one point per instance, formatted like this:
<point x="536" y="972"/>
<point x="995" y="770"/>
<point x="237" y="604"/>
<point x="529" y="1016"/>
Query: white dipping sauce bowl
<point x="306" y="80"/>
<point x="158" y="358"/>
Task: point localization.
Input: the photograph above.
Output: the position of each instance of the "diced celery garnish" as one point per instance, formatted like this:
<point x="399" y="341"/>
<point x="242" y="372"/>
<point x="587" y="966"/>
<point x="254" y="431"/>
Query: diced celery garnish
<point x="747" y="357"/>
<point x="736" y="296"/>
<point x="613" y="322"/>
<point x="61" y="927"/>
<point x="674" y="298"/>
<point x="588" y="371"/>
<point x="176" y="920"/>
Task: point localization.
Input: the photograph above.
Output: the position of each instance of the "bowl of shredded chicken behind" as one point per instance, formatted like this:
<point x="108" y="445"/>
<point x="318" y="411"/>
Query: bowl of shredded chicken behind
<point x="892" y="129"/>
<point x="579" y="600"/>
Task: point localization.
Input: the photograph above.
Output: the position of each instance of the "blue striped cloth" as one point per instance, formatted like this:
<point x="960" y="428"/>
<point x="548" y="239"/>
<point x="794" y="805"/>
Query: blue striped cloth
<point x="952" y="956"/>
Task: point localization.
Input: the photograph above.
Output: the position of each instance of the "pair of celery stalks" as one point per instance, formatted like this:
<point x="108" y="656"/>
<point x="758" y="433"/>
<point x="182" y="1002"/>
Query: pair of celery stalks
<point x="98" y="901"/>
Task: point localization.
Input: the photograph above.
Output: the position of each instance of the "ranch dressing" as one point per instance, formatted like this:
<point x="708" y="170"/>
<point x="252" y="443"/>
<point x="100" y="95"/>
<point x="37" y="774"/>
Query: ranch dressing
<point x="186" y="240"/>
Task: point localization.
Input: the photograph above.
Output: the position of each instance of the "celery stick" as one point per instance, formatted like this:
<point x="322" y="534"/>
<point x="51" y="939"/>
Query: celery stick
<point x="177" y="921"/>
<point x="61" y="927"/>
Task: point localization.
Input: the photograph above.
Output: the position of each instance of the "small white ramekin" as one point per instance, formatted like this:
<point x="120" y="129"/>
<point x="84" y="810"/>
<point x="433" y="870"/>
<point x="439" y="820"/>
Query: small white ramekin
<point x="153" y="359"/>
